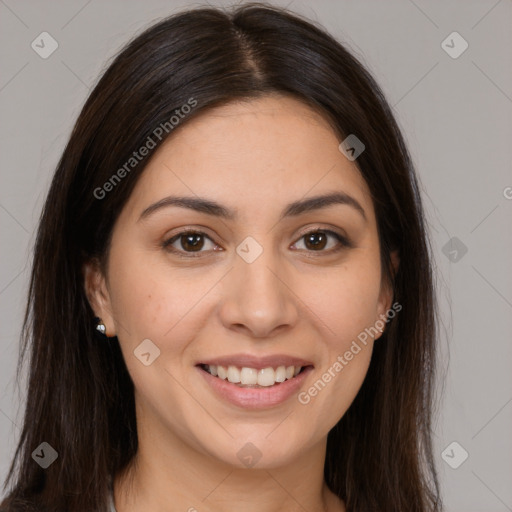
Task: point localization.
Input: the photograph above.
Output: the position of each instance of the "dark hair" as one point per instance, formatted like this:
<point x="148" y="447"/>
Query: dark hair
<point x="80" y="395"/>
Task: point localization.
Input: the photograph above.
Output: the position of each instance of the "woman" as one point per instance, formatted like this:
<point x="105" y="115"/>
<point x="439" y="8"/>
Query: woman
<point x="231" y="302"/>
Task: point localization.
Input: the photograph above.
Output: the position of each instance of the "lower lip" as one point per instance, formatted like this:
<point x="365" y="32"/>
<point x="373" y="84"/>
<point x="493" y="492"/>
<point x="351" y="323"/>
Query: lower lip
<point x="255" y="398"/>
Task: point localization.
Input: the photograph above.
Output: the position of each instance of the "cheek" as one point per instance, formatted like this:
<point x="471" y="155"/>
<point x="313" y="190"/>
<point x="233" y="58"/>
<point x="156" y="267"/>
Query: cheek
<point x="346" y="302"/>
<point x="147" y="300"/>
<point x="345" y="299"/>
<point x="347" y="310"/>
<point x="152" y="301"/>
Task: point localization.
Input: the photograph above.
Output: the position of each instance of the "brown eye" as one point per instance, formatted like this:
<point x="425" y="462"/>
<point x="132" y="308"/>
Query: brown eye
<point x="192" y="242"/>
<point x="317" y="241"/>
<point x="188" y="242"/>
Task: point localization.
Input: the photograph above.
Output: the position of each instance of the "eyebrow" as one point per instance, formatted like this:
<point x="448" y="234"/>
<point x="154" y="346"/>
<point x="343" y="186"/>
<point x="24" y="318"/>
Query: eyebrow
<point x="294" y="209"/>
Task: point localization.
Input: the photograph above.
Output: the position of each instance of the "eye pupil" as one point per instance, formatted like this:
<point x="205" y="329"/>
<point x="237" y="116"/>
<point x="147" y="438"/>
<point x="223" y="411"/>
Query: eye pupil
<point x="312" y="239"/>
<point x="192" y="240"/>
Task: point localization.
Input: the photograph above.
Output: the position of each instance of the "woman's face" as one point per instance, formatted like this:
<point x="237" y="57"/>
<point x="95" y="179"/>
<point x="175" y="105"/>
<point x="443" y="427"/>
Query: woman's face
<point x="253" y="291"/>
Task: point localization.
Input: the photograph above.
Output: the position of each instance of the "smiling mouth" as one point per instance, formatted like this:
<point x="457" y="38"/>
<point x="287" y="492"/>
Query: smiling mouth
<point x="246" y="377"/>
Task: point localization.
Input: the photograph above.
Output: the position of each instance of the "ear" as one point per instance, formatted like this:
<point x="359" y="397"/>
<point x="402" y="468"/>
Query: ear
<point x="386" y="293"/>
<point x="97" y="293"/>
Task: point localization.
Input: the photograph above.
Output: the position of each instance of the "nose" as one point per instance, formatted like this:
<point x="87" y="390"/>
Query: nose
<point x="258" y="299"/>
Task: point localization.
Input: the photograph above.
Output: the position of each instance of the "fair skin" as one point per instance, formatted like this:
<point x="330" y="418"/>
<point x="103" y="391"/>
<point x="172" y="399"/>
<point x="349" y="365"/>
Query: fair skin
<point x="254" y="157"/>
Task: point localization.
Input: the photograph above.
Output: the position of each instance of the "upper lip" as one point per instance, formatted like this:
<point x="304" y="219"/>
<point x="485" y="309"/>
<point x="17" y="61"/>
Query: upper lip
<point x="258" y="363"/>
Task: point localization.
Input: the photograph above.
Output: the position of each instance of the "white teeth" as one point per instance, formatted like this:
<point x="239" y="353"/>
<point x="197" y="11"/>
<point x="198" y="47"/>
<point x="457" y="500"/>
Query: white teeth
<point x="251" y="377"/>
<point x="233" y="374"/>
<point x="280" y="374"/>
<point x="266" y="377"/>
<point x="221" y="372"/>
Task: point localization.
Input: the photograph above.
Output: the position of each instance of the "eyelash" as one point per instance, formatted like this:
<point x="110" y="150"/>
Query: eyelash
<point x="344" y="242"/>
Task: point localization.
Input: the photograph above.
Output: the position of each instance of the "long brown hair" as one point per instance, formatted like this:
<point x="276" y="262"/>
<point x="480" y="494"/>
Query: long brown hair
<point x="80" y="396"/>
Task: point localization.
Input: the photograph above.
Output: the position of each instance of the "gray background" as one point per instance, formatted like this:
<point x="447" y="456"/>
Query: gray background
<point x="455" y="115"/>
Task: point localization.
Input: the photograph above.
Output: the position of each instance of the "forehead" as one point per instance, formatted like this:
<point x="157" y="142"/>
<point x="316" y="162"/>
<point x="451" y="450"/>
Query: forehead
<point x="273" y="149"/>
